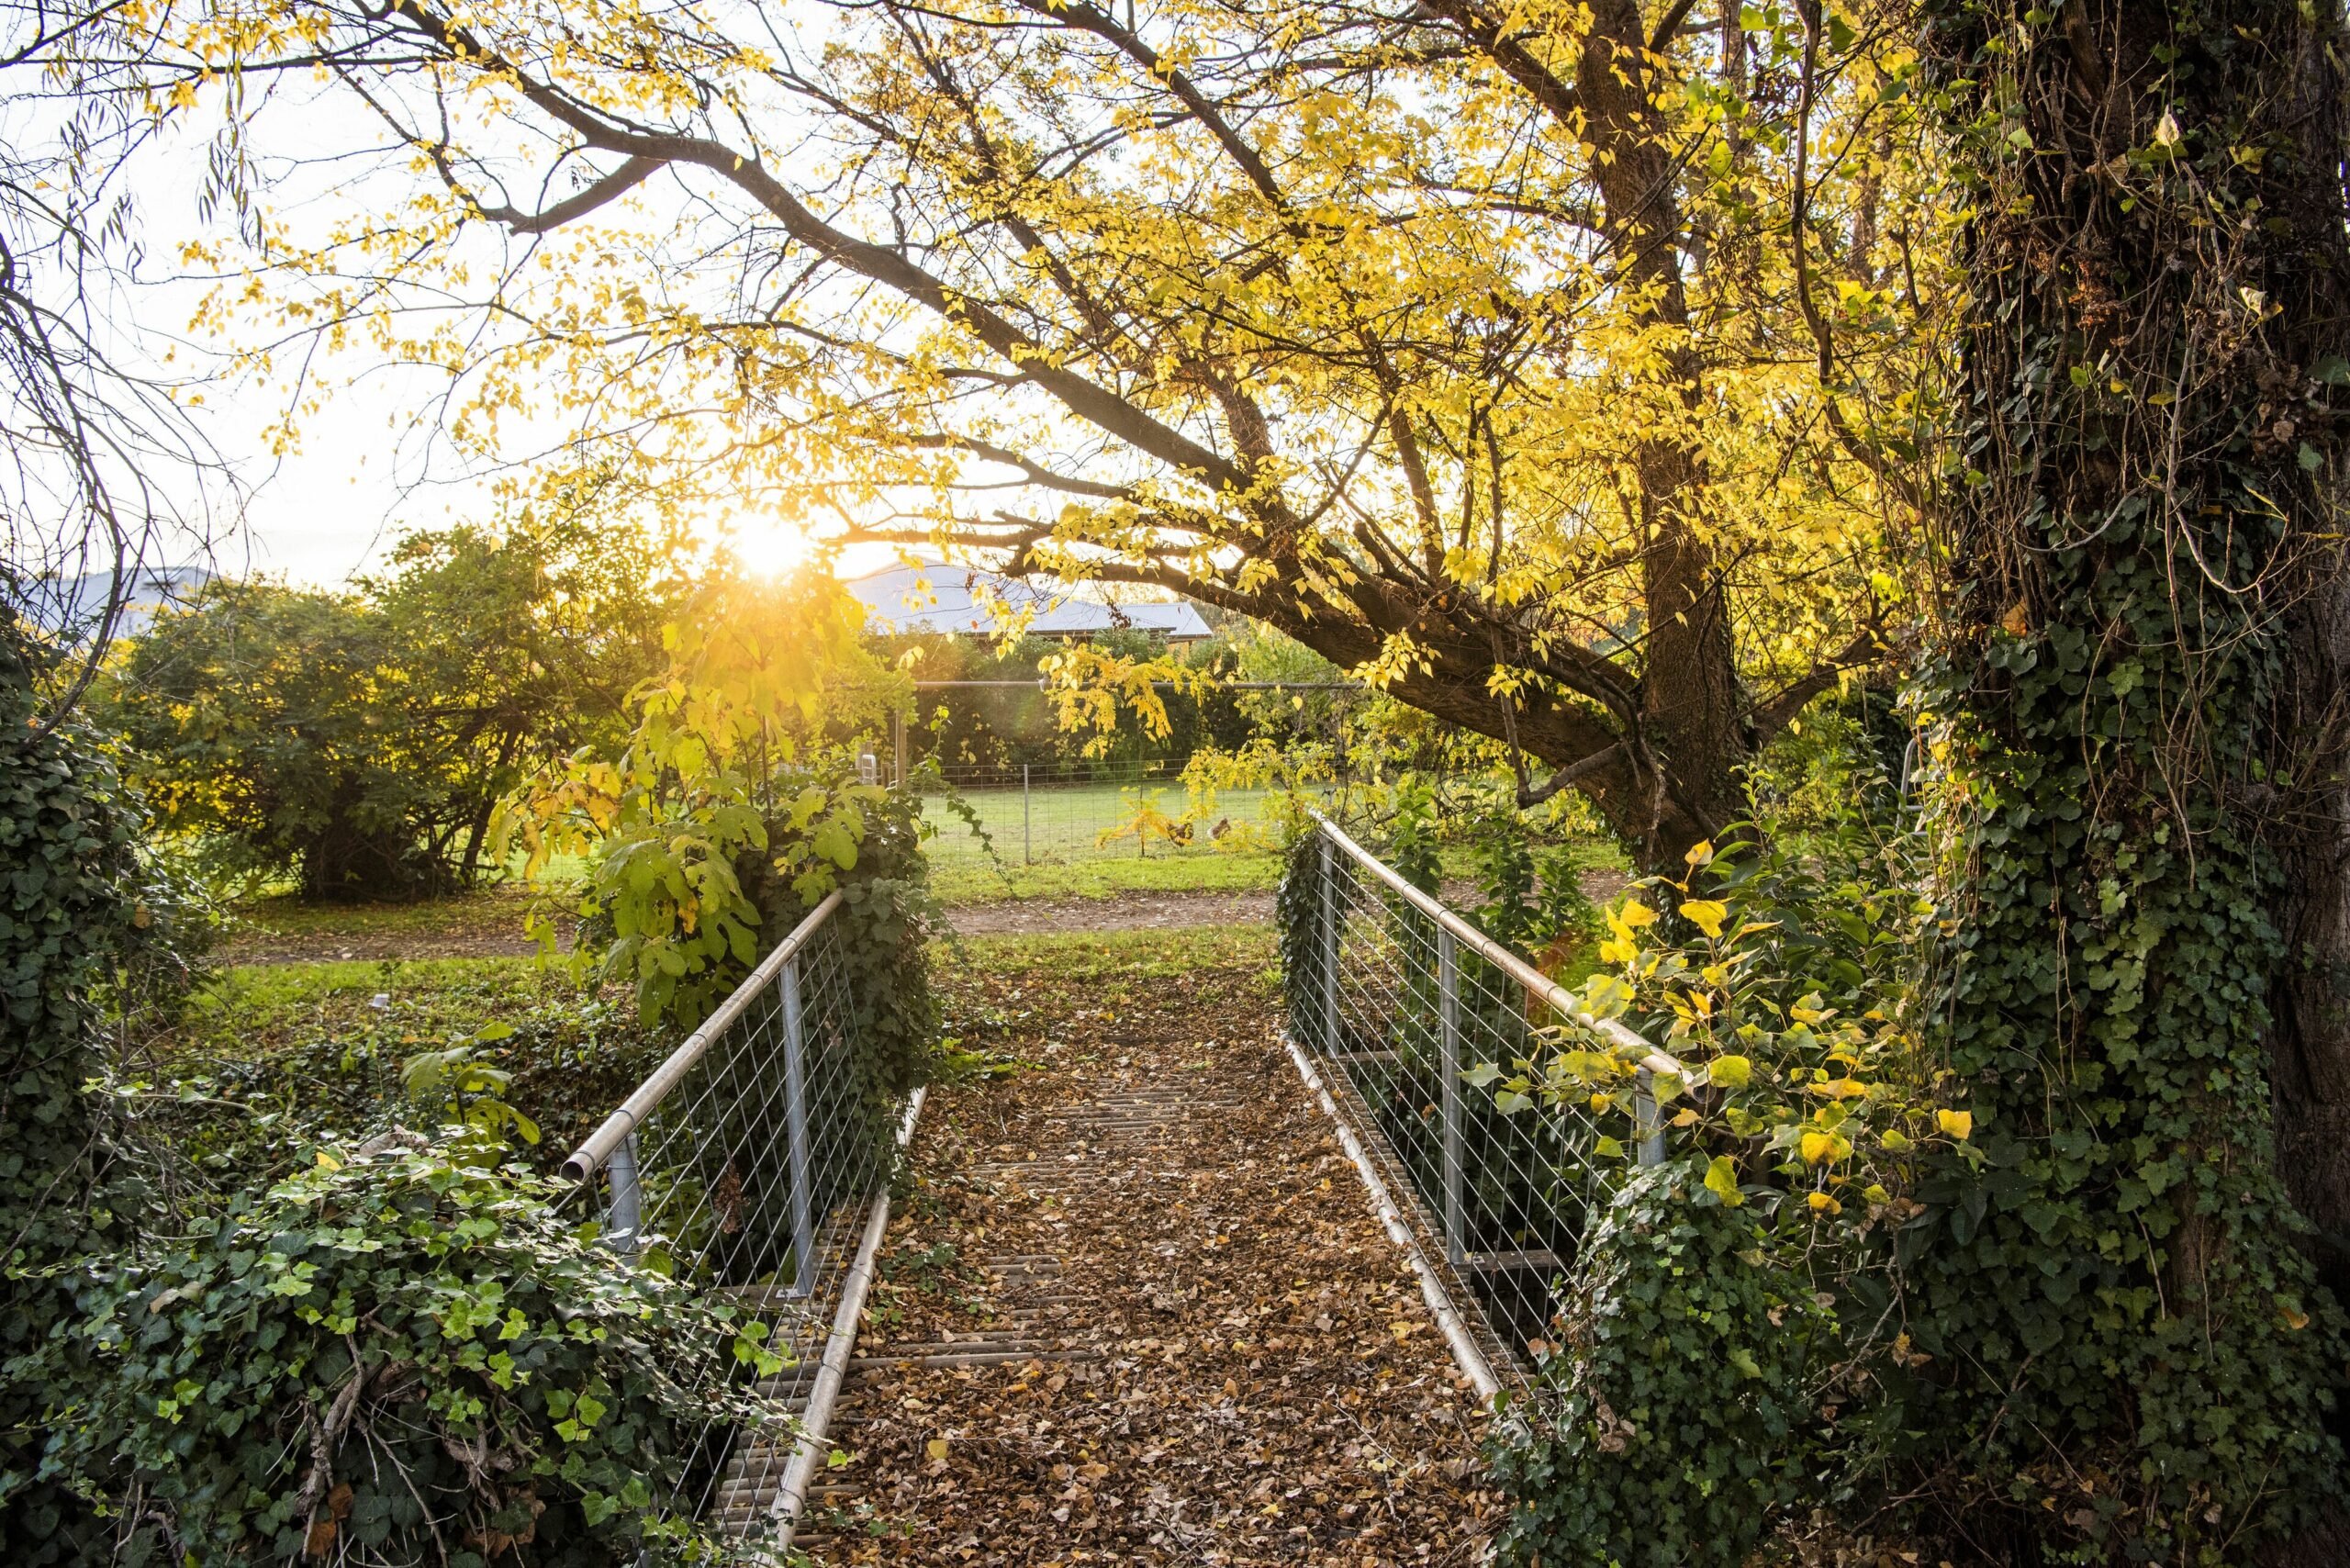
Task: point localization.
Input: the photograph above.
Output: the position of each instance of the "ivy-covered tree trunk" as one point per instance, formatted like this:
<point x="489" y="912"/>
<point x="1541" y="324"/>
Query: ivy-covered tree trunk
<point x="2130" y="1357"/>
<point x="2309" y="1051"/>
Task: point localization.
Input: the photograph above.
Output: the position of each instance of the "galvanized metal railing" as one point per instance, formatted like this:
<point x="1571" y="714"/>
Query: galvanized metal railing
<point x="753" y="1164"/>
<point x="1403" y="998"/>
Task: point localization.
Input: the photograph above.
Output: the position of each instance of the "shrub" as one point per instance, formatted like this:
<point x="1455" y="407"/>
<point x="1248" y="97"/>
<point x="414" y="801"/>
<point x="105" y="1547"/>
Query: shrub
<point x="74" y="903"/>
<point x="357" y="740"/>
<point x="1679" y="1413"/>
<point x="409" y="1353"/>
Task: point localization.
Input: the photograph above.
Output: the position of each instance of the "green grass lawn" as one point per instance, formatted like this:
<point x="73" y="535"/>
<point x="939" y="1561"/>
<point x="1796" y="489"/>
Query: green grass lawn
<point x="1079" y="840"/>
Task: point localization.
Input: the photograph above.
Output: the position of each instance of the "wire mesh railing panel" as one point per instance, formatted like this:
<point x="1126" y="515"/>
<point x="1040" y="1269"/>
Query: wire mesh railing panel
<point x="745" y="1167"/>
<point x="1400" y="1005"/>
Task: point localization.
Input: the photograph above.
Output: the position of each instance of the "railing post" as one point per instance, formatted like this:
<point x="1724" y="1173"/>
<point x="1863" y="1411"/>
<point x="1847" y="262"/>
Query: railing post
<point x="795" y="1101"/>
<point x="1333" y="919"/>
<point x="898" y="743"/>
<point x="1447" y="981"/>
<point x="1646" y="1123"/>
<point x="1027" y="854"/>
<point x="624" y="1216"/>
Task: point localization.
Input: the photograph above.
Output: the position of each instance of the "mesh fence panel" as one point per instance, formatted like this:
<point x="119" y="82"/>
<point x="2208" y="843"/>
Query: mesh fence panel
<point x="752" y="1178"/>
<point x="1395" y="1009"/>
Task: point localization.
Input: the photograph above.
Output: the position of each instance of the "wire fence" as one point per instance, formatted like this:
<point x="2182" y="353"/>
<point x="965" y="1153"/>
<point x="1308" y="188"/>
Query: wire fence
<point x="1243" y="786"/>
<point x="1398" y="1000"/>
<point x="754" y="1164"/>
<point x="1043" y="814"/>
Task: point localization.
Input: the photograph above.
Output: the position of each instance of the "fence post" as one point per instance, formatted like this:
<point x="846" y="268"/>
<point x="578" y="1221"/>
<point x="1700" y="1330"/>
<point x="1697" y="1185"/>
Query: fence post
<point x="1027" y="854"/>
<point x="625" y="1215"/>
<point x="795" y="1101"/>
<point x="1646" y="1125"/>
<point x="898" y="744"/>
<point x="1333" y="917"/>
<point x="1447" y="981"/>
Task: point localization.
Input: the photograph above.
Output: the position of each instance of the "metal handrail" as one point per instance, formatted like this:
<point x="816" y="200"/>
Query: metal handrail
<point x="1558" y="997"/>
<point x="590" y="1157"/>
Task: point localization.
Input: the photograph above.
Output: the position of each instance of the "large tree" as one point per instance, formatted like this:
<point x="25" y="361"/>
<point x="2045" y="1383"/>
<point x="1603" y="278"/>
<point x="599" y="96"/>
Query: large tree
<point x="1540" y="361"/>
<point x="2132" y="1355"/>
<point x="361" y="740"/>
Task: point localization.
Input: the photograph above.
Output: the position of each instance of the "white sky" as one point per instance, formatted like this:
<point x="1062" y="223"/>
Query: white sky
<point x="367" y="468"/>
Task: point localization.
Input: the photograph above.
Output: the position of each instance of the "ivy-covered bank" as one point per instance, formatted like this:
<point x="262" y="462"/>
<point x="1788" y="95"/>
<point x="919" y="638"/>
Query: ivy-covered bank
<point x="71" y="909"/>
<point x="2130" y="1359"/>
<point x="371" y="1332"/>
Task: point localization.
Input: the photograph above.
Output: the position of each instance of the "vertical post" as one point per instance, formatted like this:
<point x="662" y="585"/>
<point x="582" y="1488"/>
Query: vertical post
<point x="795" y="1103"/>
<point x="1344" y="762"/>
<point x="1028" y="852"/>
<point x="1646" y="1125"/>
<point x="1333" y="919"/>
<point x="1447" y="981"/>
<point x="624" y="1216"/>
<point x="897" y="741"/>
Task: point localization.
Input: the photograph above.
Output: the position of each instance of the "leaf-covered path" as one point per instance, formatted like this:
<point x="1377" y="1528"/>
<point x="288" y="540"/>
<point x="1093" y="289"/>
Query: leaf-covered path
<point x="1134" y="1308"/>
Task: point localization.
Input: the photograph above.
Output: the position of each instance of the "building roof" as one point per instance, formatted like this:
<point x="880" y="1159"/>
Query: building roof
<point x="946" y="598"/>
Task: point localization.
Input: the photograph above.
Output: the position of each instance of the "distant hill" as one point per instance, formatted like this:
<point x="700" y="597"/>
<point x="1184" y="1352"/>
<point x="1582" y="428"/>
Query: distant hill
<point x="72" y="605"/>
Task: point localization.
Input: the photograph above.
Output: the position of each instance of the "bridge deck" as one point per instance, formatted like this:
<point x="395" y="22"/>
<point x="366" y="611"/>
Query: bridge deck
<point x="1136" y="1310"/>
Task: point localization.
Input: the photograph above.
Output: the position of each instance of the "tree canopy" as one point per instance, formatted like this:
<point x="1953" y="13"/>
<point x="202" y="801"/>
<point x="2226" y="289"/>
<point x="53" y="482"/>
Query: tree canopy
<point x="1542" y="365"/>
<point x="359" y="741"/>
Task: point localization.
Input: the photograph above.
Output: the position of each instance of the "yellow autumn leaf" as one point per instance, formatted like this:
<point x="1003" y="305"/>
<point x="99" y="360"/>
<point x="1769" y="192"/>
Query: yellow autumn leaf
<point x="1706" y="914"/>
<point x="1959" y="1125"/>
<point x="1819" y="1148"/>
<point x="1721" y="1179"/>
<point x="1821" y="1203"/>
<point x="1729" y="1072"/>
<point x="936" y="1448"/>
<point x="1700" y="854"/>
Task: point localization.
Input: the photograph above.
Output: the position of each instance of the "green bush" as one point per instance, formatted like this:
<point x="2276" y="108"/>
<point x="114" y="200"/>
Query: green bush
<point x="409" y="1355"/>
<point x="356" y="741"/>
<point x="74" y="904"/>
<point x="1678" y="1416"/>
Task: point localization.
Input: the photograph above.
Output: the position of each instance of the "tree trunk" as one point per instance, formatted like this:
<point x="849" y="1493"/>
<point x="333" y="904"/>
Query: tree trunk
<point x="2130" y="1356"/>
<point x="2309" y="1050"/>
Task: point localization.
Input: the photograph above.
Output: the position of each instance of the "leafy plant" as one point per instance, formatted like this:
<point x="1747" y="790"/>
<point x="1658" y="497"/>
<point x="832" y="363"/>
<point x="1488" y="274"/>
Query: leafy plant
<point x="460" y="1088"/>
<point x="1145" y="820"/>
<point x="75" y="906"/>
<point x="409" y="1355"/>
<point x="1678" y="1417"/>
<point x="1730" y="1320"/>
<point x="728" y="761"/>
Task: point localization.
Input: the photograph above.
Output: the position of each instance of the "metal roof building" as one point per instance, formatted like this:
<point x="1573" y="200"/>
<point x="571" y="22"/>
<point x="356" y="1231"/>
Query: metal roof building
<point x="946" y="598"/>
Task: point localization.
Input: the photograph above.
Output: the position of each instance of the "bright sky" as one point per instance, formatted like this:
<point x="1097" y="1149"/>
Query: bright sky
<point x="368" y="467"/>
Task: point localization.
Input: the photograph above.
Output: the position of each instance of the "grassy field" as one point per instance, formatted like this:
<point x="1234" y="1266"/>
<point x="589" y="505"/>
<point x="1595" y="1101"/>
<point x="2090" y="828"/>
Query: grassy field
<point x="1059" y="843"/>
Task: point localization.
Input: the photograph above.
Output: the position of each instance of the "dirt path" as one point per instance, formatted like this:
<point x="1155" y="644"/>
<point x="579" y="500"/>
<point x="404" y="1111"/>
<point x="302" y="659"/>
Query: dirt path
<point x="1125" y="911"/>
<point x="1136" y="1310"/>
<point x="483" y="928"/>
